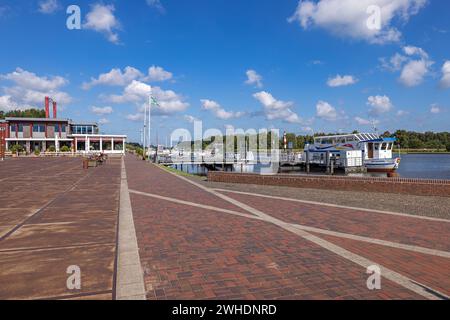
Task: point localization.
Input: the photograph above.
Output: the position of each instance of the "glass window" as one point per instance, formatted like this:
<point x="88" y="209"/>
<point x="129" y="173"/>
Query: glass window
<point x="83" y="130"/>
<point x="377" y="146"/>
<point x="63" y="128"/>
<point x="56" y="127"/>
<point x="20" y="127"/>
<point x="13" y="128"/>
<point x="89" y="130"/>
<point x="383" y="146"/>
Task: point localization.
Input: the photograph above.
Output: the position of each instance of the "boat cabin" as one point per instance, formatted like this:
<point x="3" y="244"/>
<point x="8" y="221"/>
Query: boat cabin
<point x="372" y="145"/>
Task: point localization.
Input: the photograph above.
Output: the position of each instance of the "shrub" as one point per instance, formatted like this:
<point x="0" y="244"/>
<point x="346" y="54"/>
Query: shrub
<point x="17" y="148"/>
<point x="37" y="152"/>
<point x="448" y="147"/>
<point x="65" y="149"/>
<point x="51" y="149"/>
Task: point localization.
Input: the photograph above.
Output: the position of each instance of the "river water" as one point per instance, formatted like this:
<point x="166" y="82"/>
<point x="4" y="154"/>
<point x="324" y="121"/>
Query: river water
<point x="424" y="166"/>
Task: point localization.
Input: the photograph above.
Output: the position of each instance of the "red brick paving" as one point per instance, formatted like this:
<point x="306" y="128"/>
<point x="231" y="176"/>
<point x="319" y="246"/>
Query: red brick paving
<point x="429" y="270"/>
<point x="163" y="184"/>
<point x="192" y="253"/>
<point x="400" y="229"/>
<point x="71" y="228"/>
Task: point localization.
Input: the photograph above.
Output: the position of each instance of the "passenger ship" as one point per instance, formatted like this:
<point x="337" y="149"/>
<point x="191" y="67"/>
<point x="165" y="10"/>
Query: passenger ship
<point x="376" y="151"/>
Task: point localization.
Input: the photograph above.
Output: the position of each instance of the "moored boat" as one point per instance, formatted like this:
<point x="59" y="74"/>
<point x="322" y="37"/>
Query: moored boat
<point x="376" y="151"/>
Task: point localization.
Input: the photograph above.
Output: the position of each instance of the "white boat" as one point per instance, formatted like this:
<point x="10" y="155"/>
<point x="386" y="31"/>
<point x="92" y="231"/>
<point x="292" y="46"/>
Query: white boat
<point x="376" y="151"/>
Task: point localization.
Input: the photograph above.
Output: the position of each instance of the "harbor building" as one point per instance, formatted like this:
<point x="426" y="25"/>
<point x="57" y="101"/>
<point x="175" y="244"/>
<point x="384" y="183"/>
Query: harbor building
<point x="52" y="133"/>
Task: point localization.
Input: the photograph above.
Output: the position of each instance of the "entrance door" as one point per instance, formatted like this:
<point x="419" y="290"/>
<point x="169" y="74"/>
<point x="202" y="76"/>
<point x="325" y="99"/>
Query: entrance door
<point x="370" y="146"/>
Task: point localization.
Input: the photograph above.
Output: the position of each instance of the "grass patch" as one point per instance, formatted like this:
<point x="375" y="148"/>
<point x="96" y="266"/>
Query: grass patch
<point x="180" y="173"/>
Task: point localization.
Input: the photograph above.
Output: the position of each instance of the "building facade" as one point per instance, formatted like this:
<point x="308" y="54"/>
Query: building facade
<point x="44" y="135"/>
<point x="53" y="134"/>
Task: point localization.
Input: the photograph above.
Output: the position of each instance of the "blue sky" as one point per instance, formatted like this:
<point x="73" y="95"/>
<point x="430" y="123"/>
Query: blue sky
<point x="300" y="67"/>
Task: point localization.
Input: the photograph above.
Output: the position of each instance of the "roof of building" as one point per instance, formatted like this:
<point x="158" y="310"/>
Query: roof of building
<point x="80" y="123"/>
<point x="37" y="120"/>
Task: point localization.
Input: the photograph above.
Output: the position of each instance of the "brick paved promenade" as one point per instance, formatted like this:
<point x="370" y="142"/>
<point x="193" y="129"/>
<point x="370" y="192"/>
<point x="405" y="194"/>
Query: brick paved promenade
<point x="194" y="242"/>
<point x="197" y="243"/>
<point x="54" y="214"/>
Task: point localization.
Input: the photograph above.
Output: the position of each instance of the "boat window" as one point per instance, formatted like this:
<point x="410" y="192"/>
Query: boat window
<point x="377" y="146"/>
<point x="383" y="146"/>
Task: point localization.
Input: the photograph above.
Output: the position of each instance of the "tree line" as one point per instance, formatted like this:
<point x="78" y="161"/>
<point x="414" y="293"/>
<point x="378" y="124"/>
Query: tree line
<point x="29" y="113"/>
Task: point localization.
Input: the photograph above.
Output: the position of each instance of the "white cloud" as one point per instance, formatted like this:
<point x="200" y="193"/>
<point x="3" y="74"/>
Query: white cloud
<point x="103" y="121"/>
<point x="348" y="18"/>
<point x="101" y="110"/>
<point x="379" y="105"/>
<point x="114" y="78"/>
<point x="218" y="111"/>
<point x="326" y="111"/>
<point x="340" y="81"/>
<point x="414" y="72"/>
<point x="435" y="109"/>
<point x="366" y="122"/>
<point x="276" y="109"/>
<point x="49" y="6"/>
<point x="395" y="63"/>
<point x="117" y="77"/>
<point x="415" y="65"/>
<point x="101" y="19"/>
<point x="253" y="78"/>
<point x="415" y="51"/>
<point x="30" y="89"/>
<point x="190" y="119"/>
<point x="138" y="92"/>
<point x="158" y="74"/>
<point x="156" y="4"/>
<point x="135" y="117"/>
<point x="7" y="103"/>
<point x="401" y="113"/>
<point x="31" y="81"/>
<point x="445" y="80"/>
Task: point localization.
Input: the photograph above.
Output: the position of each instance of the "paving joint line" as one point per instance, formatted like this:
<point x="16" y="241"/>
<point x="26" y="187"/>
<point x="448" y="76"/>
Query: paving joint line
<point x="129" y="284"/>
<point x="334" y="205"/>
<point x="385" y="243"/>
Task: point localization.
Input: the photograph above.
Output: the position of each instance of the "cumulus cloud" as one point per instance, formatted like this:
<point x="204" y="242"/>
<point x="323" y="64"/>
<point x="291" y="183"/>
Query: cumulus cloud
<point x="48" y="6"/>
<point x="340" y="81"/>
<point x="158" y="74"/>
<point x="30" y="80"/>
<point x="101" y="19"/>
<point x="276" y="109"/>
<point x="414" y="64"/>
<point x="115" y="77"/>
<point x="445" y="80"/>
<point x="253" y="78"/>
<point x="138" y="92"/>
<point x="379" y="105"/>
<point x="349" y="18"/>
<point x="102" y="110"/>
<point x="366" y="122"/>
<point x="326" y="111"/>
<point x="435" y="109"/>
<point x="30" y="89"/>
<point x="218" y="111"/>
